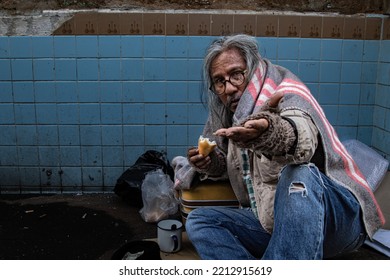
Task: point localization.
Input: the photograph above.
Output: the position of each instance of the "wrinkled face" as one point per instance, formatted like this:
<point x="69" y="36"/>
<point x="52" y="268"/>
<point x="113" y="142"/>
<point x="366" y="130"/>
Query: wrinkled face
<point x="225" y="67"/>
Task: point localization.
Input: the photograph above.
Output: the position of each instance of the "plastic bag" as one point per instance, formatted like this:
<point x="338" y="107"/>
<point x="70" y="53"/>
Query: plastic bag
<point x="158" y="196"/>
<point x="128" y="185"/>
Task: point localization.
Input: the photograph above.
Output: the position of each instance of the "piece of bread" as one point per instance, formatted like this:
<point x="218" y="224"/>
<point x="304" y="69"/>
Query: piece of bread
<point x="206" y="146"/>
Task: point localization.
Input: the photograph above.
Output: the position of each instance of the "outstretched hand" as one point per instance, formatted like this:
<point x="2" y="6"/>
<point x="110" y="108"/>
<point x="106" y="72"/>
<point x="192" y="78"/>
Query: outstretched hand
<point x="251" y="129"/>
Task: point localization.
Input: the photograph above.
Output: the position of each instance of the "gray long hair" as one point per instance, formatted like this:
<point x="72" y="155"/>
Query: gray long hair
<point x="249" y="50"/>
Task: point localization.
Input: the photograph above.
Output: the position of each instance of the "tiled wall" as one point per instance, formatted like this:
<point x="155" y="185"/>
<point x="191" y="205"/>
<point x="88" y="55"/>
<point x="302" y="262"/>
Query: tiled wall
<point x="77" y="110"/>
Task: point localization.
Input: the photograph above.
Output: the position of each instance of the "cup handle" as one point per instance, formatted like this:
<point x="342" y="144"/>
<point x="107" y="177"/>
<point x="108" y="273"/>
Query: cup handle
<point x="175" y="242"/>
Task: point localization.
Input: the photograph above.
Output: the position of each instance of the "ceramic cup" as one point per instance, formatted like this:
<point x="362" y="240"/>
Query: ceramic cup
<point x="169" y="235"/>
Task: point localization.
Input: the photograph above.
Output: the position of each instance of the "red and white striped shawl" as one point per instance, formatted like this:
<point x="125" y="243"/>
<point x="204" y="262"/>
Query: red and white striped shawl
<point x="339" y="165"/>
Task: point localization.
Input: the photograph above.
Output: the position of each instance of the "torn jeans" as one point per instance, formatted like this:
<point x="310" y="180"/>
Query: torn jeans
<point x="314" y="218"/>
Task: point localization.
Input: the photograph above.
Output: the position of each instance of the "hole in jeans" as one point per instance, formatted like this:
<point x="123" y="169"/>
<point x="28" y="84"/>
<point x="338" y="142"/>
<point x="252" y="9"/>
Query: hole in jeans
<point x="297" y="188"/>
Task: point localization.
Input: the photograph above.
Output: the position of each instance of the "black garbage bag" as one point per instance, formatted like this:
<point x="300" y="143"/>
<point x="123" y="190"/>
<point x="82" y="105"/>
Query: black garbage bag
<point x="128" y="185"/>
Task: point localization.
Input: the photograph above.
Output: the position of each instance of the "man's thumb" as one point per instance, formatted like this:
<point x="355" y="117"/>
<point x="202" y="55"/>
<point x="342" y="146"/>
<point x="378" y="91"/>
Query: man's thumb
<point x="274" y="99"/>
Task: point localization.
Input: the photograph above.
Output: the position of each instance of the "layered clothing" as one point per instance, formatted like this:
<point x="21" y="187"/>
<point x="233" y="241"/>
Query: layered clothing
<point x="298" y="133"/>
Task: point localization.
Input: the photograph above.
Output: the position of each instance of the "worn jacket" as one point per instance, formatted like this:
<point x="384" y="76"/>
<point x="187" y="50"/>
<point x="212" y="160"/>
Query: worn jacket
<point x="298" y="133"/>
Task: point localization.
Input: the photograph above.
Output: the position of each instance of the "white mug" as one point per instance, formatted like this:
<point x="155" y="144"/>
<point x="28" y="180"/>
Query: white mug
<point x="169" y="235"/>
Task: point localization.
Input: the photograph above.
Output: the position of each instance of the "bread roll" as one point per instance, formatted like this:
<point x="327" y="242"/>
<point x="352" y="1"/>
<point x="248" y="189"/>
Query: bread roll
<point x="206" y="146"/>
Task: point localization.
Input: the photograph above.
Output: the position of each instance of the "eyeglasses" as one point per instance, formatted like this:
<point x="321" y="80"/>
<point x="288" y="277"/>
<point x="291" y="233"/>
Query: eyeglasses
<point x="236" y="79"/>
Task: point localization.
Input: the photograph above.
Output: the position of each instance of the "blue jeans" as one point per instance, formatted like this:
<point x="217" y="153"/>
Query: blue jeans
<point x="314" y="218"/>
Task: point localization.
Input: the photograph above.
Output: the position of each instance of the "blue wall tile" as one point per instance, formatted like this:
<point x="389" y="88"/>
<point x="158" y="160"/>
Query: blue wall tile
<point x="9" y="157"/>
<point x="89" y="113"/>
<point x="353" y="50"/>
<point x="154" y="46"/>
<point x="134" y="135"/>
<point x="366" y="113"/>
<point x="112" y="135"/>
<point x="24" y="113"/>
<point x="90" y="135"/>
<point x="329" y="94"/>
<point x="7" y="115"/>
<point x="268" y="47"/>
<point x="112" y="156"/>
<point x="66" y="91"/>
<point x="70" y="156"/>
<point x="384" y="55"/>
<point x="331" y="49"/>
<point x="92" y="177"/>
<point x="195" y="92"/>
<point x="87" y="69"/>
<point x="29" y="176"/>
<point x="111" y="113"/>
<point x="154" y="91"/>
<point x="177" y="113"/>
<point x="110" y="91"/>
<point x="23" y="92"/>
<point x="45" y="91"/>
<point x="330" y="72"/>
<point x="22" y="69"/>
<point x="351" y="72"/>
<point x="349" y="94"/>
<point x="43" y="47"/>
<point x="44" y="69"/>
<point x="195" y="69"/>
<point x="69" y="135"/>
<point x="371" y="50"/>
<point x="28" y="155"/>
<point x="110" y="69"/>
<point x="384" y="74"/>
<point x="20" y="46"/>
<point x="176" y="46"/>
<point x="8" y="135"/>
<point x="176" y="91"/>
<point x="364" y="134"/>
<point x="4" y="47"/>
<point x="310" y="49"/>
<point x="379" y="117"/>
<point x="64" y="46"/>
<point x="288" y="48"/>
<point x="132" y="46"/>
<point x="87" y="46"/>
<point x="155" y="113"/>
<point x="91" y="155"/>
<point x="155" y="135"/>
<point x="68" y="113"/>
<point x="5" y="67"/>
<point x="26" y="135"/>
<point x="133" y="91"/>
<point x="133" y="113"/>
<point x="177" y="70"/>
<point x="348" y="115"/>
<point x="46" y="113"/>
<point x="155" y="69"/>
<point x="309" y="71"/>
<point x="347" y="132"/>
<point x="49" y="156"/>
<point x="367" y="94"/>
<point x="132" y="69"/>
<point x="88" y="91"/>
<point x="6" y="92"/>
<point x="71" y="177"/>
<point x="177" y="135"/>
<point x="194" y="131"/>
<point x="47" y="135"/>
<point x="65" y="69"/>
<point x="109" y="46"/>
<point x="369" y="72"/>
<point x="197" y="114"/>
